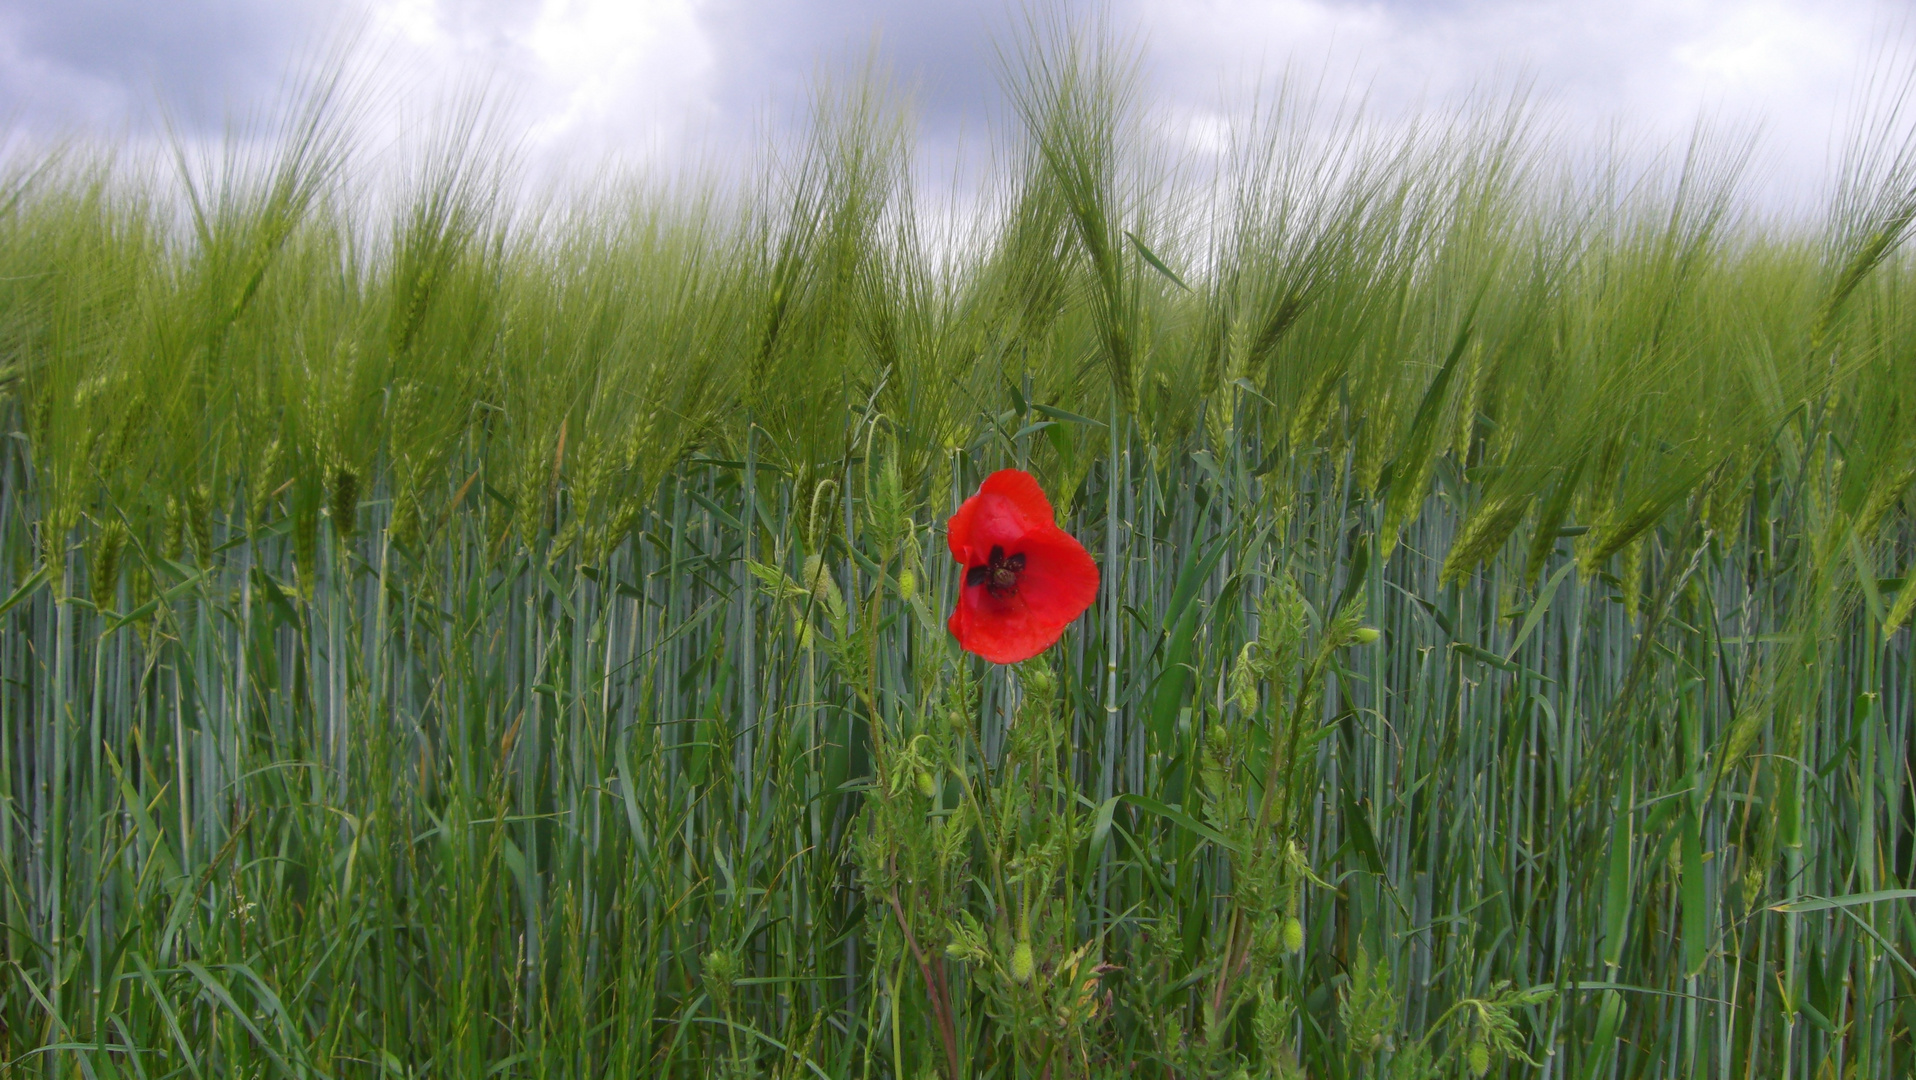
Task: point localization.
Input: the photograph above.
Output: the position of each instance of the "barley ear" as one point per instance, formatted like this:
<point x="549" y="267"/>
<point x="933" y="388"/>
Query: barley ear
<point x="106" y="562"/>
<point x="345" y="505"/>
<point x="1905" y="603"/>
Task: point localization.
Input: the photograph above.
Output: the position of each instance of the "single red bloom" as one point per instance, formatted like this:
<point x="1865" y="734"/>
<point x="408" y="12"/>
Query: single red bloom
<point x="1025" y="578"/>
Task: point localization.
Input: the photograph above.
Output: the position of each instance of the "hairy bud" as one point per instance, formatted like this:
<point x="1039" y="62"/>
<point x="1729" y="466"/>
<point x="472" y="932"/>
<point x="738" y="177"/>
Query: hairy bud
<point x="818" y="580"/>
<point x="1022" y="963"/>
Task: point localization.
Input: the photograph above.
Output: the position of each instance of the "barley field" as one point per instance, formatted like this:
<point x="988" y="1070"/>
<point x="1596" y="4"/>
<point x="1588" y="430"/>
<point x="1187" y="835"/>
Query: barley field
<point x="449" y="634"/>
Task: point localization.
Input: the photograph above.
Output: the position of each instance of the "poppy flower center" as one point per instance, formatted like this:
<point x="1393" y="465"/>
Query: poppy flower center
<point x="999" y="576"/>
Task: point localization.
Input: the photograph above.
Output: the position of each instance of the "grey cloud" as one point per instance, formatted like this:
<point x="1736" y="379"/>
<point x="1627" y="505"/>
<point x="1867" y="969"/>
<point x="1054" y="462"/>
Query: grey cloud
<point x="944" y="54"/>
<point x="104" y="61"/>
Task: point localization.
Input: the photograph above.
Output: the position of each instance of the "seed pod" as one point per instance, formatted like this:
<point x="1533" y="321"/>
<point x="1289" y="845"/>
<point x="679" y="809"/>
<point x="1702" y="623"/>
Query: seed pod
<point x="1022" y="964"/>
<point x="926" y="785"/>
<point x="823" y="587"/>
<point x="1037" y="679"/>
<point x="1479" y="1055"/>
<point x="1293" y="934"/>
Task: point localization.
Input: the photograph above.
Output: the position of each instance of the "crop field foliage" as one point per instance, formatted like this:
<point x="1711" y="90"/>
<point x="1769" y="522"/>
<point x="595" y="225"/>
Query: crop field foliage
<point x="442" y="635"/>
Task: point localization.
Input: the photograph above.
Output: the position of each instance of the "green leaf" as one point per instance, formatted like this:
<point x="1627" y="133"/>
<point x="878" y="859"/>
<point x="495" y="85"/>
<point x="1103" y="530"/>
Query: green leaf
<point x="1696" y="913"/>
<point x="1485" y="656"/>
<point x="1826" y="903"/>
<point x="1181" y="626"/>
<point x="1536" y="612"/>
<point x="1100" y="833"/>
<point x="26" y="589"/>
<point x="1156" y="263"/>
<point x="1191" y="578"/>
<point x="1616" y="893"/>
<point x="1068" y="417"/>
<point x="1603" y="1045"/>
<point x="1273" y="457"/>
<point x="1167" y="691"/>
<point x="218" y="991"/>
<point x="1363" y="841"/>
<point x="719" y="513"/>
<point x="148" y="608"/>
<point x="1179" y="817"/>
<point x="755" y="1033"/>
<point x="1356" y="577"/>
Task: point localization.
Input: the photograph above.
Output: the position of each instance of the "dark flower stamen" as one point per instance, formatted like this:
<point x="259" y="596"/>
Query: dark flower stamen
<point x="1000" y="575"/>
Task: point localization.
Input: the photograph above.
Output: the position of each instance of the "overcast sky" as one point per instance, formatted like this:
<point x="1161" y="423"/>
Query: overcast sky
<point x="670" y="80"/>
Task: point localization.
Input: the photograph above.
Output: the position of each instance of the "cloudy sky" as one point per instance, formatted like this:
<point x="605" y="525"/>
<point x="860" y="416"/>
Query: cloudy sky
<point x="665" y="81"/>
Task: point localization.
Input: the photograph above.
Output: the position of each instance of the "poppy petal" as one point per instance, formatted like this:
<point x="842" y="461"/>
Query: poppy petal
<point x="1059" y="580"/>
<point x="1023" y="491"/>
<point x="1003" y="630"/>
<point x="1009" y="504"/>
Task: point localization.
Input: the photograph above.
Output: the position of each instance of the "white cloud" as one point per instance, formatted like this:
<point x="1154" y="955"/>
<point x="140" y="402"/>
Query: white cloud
<point x="1650" y="68"/>
<point x="621" y="64"/>
<point x="587" y="79"/>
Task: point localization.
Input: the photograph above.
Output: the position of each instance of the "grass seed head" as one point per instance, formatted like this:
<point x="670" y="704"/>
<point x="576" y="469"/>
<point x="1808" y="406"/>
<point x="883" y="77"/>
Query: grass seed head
<point x="345" y="504"/>
<point x="173" y="530"/>
<point x="199" y="522"/>
<point x="106" y="562"/>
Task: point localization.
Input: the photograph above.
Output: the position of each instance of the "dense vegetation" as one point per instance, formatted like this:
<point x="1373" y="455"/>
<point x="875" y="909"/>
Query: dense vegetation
<point x="443" y="637"/>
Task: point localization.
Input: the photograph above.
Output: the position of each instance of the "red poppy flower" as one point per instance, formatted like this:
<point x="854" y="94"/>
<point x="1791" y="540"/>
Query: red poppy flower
<point x="1025" y="578"/>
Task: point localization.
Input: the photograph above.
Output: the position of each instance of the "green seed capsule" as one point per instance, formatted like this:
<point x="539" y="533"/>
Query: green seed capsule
<point x="1022" y="965"/>
<point x="1479" y="1058"/>
<point x="926" y="785"/>
<point x="1293" y="934"/>
<point x="1038" y="682"/>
